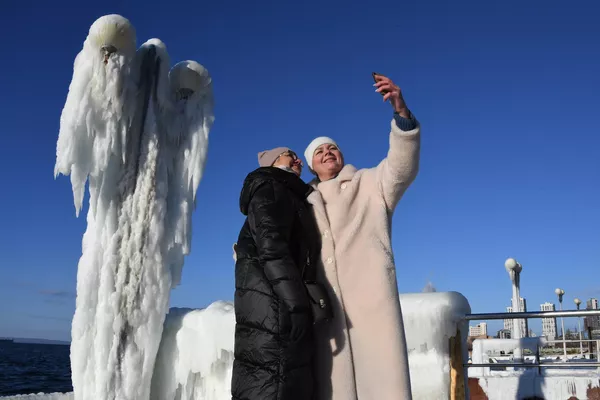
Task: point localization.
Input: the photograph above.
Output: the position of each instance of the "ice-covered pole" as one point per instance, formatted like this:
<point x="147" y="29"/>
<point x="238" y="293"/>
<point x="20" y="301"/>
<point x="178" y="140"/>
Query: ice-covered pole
<point x="560" y="293"/>
<point x="514" y="272"/>
<point x="578" y="303"/>
<point x="141" y="149"/>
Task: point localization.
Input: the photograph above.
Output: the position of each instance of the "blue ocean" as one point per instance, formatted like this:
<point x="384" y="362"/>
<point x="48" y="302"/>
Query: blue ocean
<point x="33" y="368"/>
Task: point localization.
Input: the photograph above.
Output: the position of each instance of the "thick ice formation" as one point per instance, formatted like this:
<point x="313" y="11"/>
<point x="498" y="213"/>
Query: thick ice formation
<point x="143" y="151"/>
<point x="196" y="354"/>
<point x="430" y="320"/>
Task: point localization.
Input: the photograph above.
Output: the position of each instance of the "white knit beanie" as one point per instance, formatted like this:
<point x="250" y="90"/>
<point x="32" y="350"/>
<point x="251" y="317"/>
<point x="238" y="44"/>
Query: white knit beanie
<point x="310" y="150"/>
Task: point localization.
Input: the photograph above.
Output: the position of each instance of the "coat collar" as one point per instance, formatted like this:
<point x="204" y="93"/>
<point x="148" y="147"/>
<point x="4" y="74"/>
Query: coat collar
<point x="315" y="197"/>
<point x="268" y="174"/>
<point x="346" y="174"/>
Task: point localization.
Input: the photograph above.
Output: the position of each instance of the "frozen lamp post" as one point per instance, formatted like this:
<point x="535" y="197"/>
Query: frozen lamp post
<point x="578" y="303"/>
<point x="514" y="271"/>
<point x="560" y="293"/>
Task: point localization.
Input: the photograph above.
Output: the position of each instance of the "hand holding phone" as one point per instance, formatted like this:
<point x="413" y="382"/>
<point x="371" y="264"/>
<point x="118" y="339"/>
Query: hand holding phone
<point x="375" y="74"/>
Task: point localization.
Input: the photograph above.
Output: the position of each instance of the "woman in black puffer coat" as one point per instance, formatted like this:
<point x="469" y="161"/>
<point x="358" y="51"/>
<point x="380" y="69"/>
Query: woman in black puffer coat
<point x="276" y="250"/>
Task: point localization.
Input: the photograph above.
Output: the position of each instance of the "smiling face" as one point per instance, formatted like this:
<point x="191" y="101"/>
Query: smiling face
<point x="290" y="160"/>
<point x="327" y="161"/>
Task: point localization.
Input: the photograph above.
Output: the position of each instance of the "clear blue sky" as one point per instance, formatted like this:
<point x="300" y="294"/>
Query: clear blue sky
<point x="507" y="94"/>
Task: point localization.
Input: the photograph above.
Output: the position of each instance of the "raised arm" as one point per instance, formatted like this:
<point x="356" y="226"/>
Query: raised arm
<point x="270" y="216"/>
<point x="399" y="169"/>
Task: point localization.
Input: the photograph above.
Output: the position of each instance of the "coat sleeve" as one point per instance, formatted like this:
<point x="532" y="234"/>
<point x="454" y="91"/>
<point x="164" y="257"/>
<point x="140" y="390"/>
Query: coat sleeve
<point x="399" y="169"/>
<point x="270" y="216"/>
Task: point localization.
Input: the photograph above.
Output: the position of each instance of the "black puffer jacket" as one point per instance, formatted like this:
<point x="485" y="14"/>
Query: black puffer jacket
<point x="277" y="244"/>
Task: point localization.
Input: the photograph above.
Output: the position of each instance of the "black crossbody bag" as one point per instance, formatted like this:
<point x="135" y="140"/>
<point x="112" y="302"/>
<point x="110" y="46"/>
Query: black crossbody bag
<point x="318" y="297"/>
<point x="319" y="302"/>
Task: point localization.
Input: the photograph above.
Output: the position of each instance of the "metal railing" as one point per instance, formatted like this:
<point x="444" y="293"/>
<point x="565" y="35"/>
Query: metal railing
<point x="534" y="364"/>
<point x="526" y="315"/>
<point x="532" y="314"/>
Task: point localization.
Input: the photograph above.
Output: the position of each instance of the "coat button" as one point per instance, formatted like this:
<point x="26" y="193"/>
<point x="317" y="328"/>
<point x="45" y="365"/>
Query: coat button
<point x="343" y="186"/>
<point x="326" y="234"/>
<point x="329" y="260"/>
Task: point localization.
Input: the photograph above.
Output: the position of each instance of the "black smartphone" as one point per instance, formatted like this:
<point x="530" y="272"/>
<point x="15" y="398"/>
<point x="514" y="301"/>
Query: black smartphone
<point x="383" y="92"/>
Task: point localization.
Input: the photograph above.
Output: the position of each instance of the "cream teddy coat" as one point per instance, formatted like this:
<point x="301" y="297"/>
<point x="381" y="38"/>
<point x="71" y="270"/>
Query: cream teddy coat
<point x="361" y="354"/>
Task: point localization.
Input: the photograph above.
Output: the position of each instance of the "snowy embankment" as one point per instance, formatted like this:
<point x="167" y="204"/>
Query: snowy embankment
<point x="196" y="352"/>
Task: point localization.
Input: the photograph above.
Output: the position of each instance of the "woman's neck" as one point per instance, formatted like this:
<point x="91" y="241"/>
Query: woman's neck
<point x="287" y="169"/>
<point x="327" y="177"/>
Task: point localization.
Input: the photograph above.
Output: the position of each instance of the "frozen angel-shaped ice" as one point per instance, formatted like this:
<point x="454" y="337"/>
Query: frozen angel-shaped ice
<point x="142" y="146"/>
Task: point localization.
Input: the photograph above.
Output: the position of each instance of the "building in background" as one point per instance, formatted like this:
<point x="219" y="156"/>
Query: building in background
<point x="521" y="323"/>
<point x="532" y="333"/>
<point x="548" y="324"/>
<point x="478" y="330"/>
<point x="592" y="324"/>
<point x="503" y="334"/>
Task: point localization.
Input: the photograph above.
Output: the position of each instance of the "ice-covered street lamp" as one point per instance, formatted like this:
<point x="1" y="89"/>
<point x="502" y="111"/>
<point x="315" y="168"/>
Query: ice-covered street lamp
<point x="578" y="303"/>
<point x="560" y="293"/>
<point x="514" y="271"/>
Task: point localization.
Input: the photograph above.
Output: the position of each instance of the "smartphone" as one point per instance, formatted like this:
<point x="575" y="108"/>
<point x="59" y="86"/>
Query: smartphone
<point x="383" y="92"/>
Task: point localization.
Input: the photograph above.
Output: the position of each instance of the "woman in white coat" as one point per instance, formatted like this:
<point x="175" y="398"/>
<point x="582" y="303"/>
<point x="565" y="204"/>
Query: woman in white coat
<point x="361" y="354"/>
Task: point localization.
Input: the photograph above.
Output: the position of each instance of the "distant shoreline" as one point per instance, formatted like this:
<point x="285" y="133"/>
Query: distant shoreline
<point x="35" y="341"/>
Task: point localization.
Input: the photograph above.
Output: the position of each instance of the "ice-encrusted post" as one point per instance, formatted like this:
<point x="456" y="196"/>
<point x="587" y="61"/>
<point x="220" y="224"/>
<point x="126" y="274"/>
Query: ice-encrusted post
<point x="578" y="303"/>
<point x="560" y="293"/>
<point x="136" y="134"/>
<point x="436" y="339"/>
<point x="514" y="271"/>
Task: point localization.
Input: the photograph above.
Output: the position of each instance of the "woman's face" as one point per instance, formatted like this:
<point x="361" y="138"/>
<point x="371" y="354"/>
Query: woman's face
<point x="327" y="161"/>
<point x="289" y="159"/>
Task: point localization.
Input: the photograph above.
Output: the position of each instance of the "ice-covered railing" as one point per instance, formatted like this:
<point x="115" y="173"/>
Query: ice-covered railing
<point x="500" y="381"/>
<point x="485" y="349"/>
<point x="529" y="377"/>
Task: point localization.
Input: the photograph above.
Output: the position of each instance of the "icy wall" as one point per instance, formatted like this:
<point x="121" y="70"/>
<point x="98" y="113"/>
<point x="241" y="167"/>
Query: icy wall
<point x="196" y="352"/>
